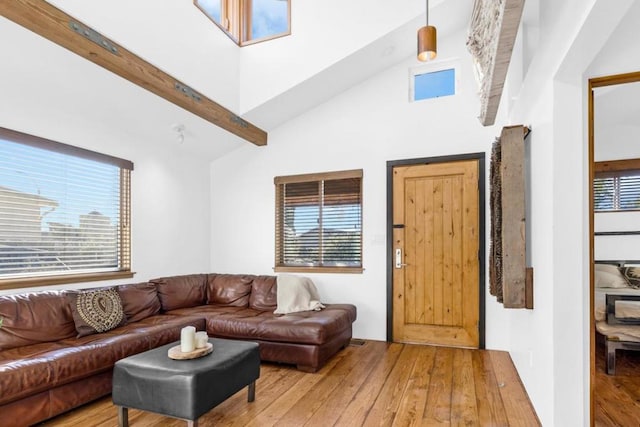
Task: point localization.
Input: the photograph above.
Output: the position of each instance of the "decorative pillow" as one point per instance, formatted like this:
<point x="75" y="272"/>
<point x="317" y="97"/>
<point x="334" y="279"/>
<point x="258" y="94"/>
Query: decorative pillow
<point x="632" y="274"/>
<point x="96" y="311"/>
<point x="609" y="276"/>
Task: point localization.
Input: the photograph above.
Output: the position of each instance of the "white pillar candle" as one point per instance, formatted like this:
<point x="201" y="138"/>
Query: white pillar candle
<point x="188" y="339"/>
<point x="201" y="339"/>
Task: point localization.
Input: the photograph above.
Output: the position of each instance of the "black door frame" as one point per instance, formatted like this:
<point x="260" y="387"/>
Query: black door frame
<point x="391" y="164"/>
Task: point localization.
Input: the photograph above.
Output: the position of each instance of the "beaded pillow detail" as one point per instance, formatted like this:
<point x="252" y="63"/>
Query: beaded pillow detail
<point x="96" y="311"/>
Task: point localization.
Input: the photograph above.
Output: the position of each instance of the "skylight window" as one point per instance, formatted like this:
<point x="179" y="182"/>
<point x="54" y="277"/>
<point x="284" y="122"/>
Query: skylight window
<point x="249" y="21"/>
<point x="433" y="81"/>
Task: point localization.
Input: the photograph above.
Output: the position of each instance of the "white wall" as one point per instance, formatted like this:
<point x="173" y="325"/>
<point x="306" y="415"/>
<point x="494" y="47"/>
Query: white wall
<point x="173" y="35"/>
<point x="361" y="128"/>
<point x="323" y="33"/>
<point x="616" y="247"/>
<point x="170" y="192"/>
<point x="615" y="143"/>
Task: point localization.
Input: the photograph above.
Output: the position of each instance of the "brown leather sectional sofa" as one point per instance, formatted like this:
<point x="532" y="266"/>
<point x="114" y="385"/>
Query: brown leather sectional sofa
<point x="46" y="370"/>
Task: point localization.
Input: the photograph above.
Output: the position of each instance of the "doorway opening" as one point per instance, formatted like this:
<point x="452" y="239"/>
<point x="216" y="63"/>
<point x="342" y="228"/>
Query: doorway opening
<point x="613" y="240"/>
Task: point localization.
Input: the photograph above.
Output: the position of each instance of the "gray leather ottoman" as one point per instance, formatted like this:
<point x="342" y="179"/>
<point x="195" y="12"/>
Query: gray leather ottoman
<point x="184" y="389"/>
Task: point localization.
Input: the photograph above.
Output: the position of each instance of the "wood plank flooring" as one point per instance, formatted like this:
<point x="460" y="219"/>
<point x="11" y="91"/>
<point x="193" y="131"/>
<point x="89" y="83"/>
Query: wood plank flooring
<point x="376" y="384"/>
<point x="617" y="397"/>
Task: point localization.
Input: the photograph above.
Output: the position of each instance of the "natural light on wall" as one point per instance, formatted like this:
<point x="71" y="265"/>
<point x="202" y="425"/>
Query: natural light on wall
<point x="249" y="21"/>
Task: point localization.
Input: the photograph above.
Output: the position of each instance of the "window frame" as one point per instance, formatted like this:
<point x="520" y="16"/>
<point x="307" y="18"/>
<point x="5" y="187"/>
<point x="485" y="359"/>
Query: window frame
<point x="434" y="67"/>
<point x="124" y="243"/>
<point x="615" y="169"/>
<point x="237" y="21"/>
<point x="279" y="223"/>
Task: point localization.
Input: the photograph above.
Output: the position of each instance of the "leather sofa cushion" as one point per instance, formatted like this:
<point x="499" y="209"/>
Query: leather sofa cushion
<point x="229" y="289"/>
<point x="83" y="359"/>
<point x="181" y="291"/>
<point x="139" y="301"/>
<point x="32" y="318"/>
<point x="306" y="327"/>
<point x="162" y="329"/>
<point x="206" y="310"/>
<point x="29" y="369"/>
<point x="26" y="370"/>
<point x="264" y="295"/>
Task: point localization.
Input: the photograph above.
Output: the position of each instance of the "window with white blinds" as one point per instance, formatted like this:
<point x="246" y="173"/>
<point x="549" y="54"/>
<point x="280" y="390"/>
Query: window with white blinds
<point x="63" y="210"/>
<point x="319" y="222"/>
<point x="616" y="188"/>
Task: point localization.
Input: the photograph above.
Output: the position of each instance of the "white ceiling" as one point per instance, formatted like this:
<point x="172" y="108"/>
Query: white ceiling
<point x="42" y="78"/>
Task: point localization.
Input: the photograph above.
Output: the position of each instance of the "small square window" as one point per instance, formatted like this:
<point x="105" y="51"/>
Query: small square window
<point x="435" y="84"/>
<point x="433" y="81"/>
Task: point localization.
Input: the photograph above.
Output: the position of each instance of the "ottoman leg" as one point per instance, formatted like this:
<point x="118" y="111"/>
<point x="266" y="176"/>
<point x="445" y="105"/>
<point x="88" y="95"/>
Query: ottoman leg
<point x="252" y="392"/>
<point x="611" y="358"/>
<point x="192" y="423"/>
<point x="123" y="416"/>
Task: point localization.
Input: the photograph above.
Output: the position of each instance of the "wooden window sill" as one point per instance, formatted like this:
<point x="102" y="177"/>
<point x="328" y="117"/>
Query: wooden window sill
<point x="341" y="270"/>
<point x="29" y="282"/>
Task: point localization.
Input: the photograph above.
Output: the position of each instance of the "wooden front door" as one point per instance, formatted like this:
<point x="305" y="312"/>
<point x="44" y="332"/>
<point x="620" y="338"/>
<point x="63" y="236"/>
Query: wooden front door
<point x="435" y="254"/>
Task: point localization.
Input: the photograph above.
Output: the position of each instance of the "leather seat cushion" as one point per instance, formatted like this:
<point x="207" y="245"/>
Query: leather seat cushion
<point x="29" y="369"/>
<point x="316" y="327"/>
<point x="161" y="329"/>
<point x="26" y="370"/>
<point x="206" y="310"/>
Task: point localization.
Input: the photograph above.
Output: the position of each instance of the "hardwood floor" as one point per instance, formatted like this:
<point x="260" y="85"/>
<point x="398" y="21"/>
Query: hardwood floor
<point x="617" y="397"/>
<point x="374" y="384"/>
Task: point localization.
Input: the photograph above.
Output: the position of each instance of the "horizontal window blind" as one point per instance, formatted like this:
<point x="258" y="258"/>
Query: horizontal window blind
<point x="60" y="212"/>
<point x="617" y="190"/>
<point x="319" y="220"/>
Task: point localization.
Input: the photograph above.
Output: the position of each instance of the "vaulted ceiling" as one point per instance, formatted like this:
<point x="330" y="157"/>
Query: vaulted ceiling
<point x="333" y="46"/>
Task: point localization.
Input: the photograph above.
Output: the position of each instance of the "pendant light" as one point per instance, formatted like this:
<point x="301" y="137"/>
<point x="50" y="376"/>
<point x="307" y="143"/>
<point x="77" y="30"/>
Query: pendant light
<point x="427" y="46"/>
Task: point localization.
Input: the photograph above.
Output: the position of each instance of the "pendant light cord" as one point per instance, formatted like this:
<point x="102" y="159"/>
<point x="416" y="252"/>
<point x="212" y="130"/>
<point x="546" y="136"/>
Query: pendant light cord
<point x="427" y="12"/>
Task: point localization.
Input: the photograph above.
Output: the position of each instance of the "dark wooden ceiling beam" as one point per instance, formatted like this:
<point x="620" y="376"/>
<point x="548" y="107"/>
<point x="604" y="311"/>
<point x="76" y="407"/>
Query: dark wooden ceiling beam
<point x="53" y="24"/>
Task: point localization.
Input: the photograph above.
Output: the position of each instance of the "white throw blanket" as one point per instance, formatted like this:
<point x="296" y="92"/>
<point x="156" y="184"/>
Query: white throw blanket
<point x="296" y="293"/>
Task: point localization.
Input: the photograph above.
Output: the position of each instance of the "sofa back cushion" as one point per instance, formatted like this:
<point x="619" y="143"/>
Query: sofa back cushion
<point x="231" y="290"/>
<point x="264" y="295"/>
<point x="139" y="301"/>
<point x="35" y="317"/>
<point x="181" y="291"/>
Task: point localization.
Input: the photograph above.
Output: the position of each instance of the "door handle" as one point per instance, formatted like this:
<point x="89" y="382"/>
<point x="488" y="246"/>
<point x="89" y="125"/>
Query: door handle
<point x="399" y="263"/>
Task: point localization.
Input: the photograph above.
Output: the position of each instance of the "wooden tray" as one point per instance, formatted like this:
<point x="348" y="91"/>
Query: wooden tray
<point x="177" y="354"/>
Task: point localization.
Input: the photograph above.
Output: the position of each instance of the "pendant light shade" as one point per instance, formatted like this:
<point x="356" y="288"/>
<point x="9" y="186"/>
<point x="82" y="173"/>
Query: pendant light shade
<point x="427" y="44"/>
<point x="427" y="40"/>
